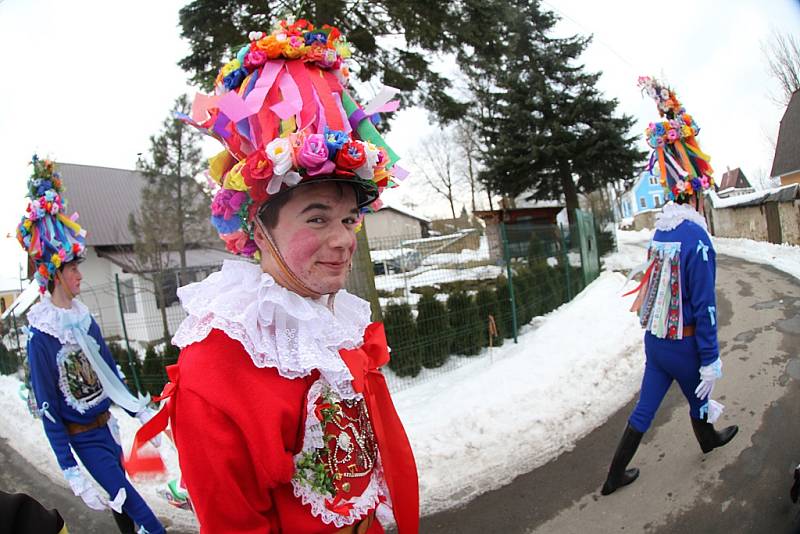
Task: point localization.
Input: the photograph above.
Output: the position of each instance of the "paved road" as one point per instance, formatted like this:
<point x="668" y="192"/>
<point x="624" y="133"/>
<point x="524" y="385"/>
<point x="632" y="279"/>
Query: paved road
<point x="18" y="476"/>
<point x="741" y="488"/>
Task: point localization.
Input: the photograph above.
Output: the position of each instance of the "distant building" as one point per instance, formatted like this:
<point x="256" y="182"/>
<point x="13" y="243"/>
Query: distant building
<point x="786" y="164"/>
<point x="450" y="226"/>
<point x="520" y="222"/>
<point x="734" y="179"/>
<point x="392" y="224"/>
<point x="646" y="193"/>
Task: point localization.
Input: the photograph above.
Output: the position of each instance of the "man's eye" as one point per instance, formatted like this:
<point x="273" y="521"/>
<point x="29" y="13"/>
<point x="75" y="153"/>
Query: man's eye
<point x="350" y="220"/>
<point x="317" y="220"/>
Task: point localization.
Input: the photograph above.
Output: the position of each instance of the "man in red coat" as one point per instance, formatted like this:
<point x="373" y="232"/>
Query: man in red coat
<point x="279" y="411"/>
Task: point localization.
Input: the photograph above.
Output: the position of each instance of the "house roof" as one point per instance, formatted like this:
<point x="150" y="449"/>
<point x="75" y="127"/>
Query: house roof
<point x="778" y="194"/>
<point x="787" y="149"/>
<point x="195" y="257"/>
<point x="734" y="178"/>
<point x="104" y="198"/>
<point x="404" y="211"/>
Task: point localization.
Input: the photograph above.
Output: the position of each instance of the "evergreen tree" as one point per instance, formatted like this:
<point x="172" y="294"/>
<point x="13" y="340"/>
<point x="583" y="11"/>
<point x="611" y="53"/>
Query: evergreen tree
<point x="401" y="335"/>
<point x="504" y="318"/>
<point x="432" y="327"/>
<point x="175" y="208"/>
<point x="486" y="301"/>
<point x="466" y="327"/>
<point x="547" y="129"/>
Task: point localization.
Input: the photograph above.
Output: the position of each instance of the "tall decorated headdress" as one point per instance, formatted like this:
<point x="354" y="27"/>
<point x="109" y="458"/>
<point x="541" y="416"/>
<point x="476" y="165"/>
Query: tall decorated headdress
<point x="47" y="234"/>
<point x="283" y="113"/>
<point x="683" y="168"/>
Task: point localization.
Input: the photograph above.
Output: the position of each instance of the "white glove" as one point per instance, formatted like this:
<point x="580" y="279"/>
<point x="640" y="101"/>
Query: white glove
<point x="83" y="488"/>
<point x="708" y="375"/>
<point x="143" y="417"/>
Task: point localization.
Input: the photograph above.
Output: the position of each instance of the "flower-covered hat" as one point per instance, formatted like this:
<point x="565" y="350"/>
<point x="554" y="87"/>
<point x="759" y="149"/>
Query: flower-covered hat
<point x="682" y="167"/>
<point x="50" y="238"/>
<point x="282" y="112"/>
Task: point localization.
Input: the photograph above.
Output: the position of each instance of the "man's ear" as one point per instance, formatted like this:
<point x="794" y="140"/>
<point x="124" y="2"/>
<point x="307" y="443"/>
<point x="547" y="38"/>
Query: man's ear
<point x="258" y="235"/>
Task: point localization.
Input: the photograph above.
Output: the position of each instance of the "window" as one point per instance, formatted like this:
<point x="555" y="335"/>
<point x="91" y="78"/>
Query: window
<point x="169" y="288"/>
<point x="657" y="200"/>
<point x="127" y="296"/>
<point x="642" y="202"/>
<point x="653" y="180"/>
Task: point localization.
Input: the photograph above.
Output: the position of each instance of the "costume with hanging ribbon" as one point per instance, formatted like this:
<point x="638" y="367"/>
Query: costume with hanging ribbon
<point x="278" y="392"/>
<point x="74" y="378"/>
<point x="675" y="298"/>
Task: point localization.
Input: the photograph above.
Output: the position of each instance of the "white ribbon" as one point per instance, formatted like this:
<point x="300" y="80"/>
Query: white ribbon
<point x="702" y="247"/>
<point x="291" y="179"/>
<point x="712" y="311"/>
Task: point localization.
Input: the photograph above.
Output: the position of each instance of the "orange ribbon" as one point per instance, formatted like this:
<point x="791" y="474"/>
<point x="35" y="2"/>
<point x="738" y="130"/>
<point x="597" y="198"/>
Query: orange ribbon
<point x="136" y="463"/>
<point x="396" y="455"/>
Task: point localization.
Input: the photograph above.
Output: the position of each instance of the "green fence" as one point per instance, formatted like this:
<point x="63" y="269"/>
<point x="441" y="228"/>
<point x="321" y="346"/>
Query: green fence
<point x="449" y="297"/>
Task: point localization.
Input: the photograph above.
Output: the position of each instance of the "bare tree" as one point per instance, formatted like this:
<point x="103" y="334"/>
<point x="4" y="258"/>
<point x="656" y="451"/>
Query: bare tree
<point x="782" y="53"/>
<point x="467" y="137"/>
<point x="438" y="160"/>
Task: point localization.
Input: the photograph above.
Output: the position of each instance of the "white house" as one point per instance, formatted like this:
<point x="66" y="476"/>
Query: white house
<point x="393" y="223"/>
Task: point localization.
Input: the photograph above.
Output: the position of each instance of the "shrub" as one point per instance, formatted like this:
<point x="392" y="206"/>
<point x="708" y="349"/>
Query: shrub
<point x="466" y="326"/>
<point x="488" y="305"/>
<point x="433" y="330"/>
<point x="401" y="334"/>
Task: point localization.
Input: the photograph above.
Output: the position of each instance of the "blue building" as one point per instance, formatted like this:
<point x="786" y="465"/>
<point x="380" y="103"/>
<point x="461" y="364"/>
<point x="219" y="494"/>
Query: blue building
<point x="645" y="194"/>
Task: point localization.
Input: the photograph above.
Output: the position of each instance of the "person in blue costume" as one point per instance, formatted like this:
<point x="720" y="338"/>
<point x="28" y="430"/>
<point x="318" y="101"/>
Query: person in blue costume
<point x="676" y="299"/>
<point x="74" y="378"/>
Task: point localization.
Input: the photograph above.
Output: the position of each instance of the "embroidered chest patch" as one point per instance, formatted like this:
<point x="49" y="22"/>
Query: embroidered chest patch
<point x="77" y="380"/>
<point x="338" y="471"/>
<point x="660" y="302"/>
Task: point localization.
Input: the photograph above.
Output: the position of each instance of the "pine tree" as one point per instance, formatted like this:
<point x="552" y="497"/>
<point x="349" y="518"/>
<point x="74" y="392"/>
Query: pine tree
<point x="466" y="327"/>
<point x="540" y="116"/>
<point x="504" y="319"/>
<point x="432" y="327"/>
<point x="402" y="337"/>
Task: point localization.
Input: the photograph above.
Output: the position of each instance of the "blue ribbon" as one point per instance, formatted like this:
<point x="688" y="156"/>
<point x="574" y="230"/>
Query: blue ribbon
<point x="704" y="248"/>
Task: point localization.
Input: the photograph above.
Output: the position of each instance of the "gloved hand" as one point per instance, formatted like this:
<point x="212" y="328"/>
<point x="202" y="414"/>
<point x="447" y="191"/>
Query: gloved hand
<point x="143" y="417"/>
<point x="83" y="488"/>
<point x="708" y="375"/>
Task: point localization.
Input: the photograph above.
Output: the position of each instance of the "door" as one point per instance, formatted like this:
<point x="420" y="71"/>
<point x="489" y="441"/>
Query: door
<point x="773" y="223"/>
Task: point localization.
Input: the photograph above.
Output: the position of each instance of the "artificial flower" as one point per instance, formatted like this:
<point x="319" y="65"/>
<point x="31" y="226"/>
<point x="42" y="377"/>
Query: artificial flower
<point x="351" y="156"/>
<point x="313" y="156"/>
<point x="279" y="151"/>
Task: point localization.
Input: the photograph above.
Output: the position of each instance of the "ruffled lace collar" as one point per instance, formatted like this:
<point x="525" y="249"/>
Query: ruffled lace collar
<point x="674" y="214"/>
<point x="278" y="328"/>
<point x="49" y="318"/>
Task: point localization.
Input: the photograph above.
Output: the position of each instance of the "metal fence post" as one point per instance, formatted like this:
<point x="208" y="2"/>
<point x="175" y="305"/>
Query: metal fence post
<point x="565" y="252"/>
<point x="125" y="333"/>
<point x="507" y="256"/>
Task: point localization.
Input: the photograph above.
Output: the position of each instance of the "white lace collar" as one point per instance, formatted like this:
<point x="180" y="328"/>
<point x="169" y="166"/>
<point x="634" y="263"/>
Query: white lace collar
<point x="48" y="318"/>
<point x="674" y="214"/>
<point x="278" y="328"/>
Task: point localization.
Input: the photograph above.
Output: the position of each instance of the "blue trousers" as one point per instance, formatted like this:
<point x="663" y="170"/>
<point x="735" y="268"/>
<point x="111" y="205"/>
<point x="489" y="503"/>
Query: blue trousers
<point x="667" y="360"/>
<point x="102" y="457"/>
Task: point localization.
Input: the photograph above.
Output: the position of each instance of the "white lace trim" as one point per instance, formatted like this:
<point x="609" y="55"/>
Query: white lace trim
<point x="369" y="500"/>
<point x="673" y="215"/>
<point x="47" y="317"/>
<point x="278" y="328"/>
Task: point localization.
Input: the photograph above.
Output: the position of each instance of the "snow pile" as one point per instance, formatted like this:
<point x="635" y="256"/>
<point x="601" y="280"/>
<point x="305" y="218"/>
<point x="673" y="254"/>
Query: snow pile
<point x="632" y="251"/>
<point x="783" y="257"/>
<point x="546" y="392"/>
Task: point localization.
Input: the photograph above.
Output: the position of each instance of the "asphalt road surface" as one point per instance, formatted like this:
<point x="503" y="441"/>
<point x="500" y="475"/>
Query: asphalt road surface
<point x="740" y="488"/>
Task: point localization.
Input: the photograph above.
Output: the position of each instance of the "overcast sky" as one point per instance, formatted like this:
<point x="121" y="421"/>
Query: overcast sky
<point x="88" y="82"/>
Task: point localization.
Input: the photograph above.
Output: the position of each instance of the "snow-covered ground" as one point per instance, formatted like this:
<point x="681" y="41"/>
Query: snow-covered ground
<point x="496" y="415"/>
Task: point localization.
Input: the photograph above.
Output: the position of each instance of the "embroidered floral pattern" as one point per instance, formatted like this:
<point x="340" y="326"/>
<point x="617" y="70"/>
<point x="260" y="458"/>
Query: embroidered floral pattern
<point x="338" y="472"/>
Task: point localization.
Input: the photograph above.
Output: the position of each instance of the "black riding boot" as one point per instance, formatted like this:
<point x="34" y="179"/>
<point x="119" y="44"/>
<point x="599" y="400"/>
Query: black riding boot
<point x="618" y="475"/>
<point x="124" y="523"/>
<point x="708" y="438"/>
